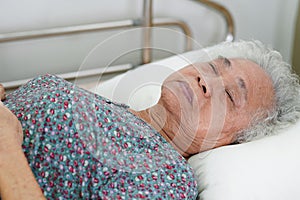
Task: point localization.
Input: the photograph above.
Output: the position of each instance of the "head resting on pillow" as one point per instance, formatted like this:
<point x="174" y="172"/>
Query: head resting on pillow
<point x="286" y="110"/>
<point x="245" y="91"/>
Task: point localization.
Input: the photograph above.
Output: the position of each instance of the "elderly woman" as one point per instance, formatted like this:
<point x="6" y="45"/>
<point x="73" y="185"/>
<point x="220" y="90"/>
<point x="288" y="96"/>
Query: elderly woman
<point x="80" y="145"/>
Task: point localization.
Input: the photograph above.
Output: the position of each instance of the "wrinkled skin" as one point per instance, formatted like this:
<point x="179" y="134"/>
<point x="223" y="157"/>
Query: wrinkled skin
<point x="206" y="104"/>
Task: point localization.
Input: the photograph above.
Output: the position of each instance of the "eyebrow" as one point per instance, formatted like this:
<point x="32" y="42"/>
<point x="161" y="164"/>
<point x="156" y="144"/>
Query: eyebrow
<point x="226" y="61"/>
<point x="242" y="85"/>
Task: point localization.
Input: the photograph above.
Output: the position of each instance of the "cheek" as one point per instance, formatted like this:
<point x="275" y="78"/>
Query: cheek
<point x="170" y="100"/>
<point x="236" y="121"/>
<point x="213" y="113"/>
<point x="200" y="123"/>
<point x="213" y="121"/>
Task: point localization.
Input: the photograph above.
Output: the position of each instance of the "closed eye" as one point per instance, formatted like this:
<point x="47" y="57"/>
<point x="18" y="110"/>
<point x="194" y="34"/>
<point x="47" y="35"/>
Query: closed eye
<point x="229" y="96"/>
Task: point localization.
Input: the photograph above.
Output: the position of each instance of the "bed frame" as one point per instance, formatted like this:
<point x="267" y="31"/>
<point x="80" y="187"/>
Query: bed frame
<point x="146" y="21"/>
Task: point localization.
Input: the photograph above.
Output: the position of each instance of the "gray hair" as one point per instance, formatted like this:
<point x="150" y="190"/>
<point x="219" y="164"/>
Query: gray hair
<point x="285" y="82"/>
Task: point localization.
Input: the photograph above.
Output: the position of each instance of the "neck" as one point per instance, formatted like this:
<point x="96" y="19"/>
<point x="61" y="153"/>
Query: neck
<point x="158" y="118"/>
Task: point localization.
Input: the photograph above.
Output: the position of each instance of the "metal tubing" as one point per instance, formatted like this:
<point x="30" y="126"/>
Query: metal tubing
<point x="147" y="24"/>
<point x="226" y="14"/>
<point x="89" y="28"/>
<point x="65" y="30"/>
<point x="74" y="75"/>
<point x="7" y="37"/>
<point x="184" y="27"/>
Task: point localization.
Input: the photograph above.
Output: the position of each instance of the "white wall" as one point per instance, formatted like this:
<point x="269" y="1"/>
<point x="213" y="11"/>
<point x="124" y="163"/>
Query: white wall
<point x="271" y="21"/>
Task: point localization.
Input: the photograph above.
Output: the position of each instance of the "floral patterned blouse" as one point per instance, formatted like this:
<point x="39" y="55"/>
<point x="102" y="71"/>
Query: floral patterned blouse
<point x="82" y="146"/>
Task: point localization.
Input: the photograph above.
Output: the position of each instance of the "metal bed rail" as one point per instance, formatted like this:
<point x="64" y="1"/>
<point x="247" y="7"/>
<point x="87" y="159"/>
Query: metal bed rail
<point x="69" y="30"/>
<point x="230" y="35"/>
<point x="146" y="22"/>
<point x="72" y="75"/>
<point x="60" y="31"/>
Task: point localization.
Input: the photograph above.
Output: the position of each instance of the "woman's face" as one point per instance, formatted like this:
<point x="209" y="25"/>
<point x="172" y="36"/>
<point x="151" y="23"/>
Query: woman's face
<point x="207" y="103"/>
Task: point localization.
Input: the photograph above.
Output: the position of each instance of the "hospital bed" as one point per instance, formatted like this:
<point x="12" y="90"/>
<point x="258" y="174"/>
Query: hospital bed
<point x="263" y="169"/>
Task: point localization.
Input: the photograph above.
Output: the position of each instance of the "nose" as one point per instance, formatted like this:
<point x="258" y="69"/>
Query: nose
<point x="204" y="87"/>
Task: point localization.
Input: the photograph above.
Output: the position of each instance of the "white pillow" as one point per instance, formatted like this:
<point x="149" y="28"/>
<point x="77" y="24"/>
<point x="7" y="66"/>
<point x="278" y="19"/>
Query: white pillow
<point x="264" y="169"/>
<point x="267" y="169"/>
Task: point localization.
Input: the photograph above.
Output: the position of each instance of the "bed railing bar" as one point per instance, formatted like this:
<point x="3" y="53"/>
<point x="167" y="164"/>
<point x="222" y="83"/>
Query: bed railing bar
<point x="75" y="75"/>
<point x="173" y="22"/>
<point x="66" y="30"/>
<point x="6" y="37"/>
<point x="147" y="24"/>
<point x="226" y="14"/>
<point x="96" y="71"/>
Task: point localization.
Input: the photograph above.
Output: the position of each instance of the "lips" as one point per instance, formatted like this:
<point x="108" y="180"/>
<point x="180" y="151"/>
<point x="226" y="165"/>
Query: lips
<point x="187" y="91"/>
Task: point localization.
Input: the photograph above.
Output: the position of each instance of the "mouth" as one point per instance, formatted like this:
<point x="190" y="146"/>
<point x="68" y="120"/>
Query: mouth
<point x="187" y="91"/>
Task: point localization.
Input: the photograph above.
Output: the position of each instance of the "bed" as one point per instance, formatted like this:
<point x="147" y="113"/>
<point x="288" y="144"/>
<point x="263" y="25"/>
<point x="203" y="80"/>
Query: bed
<point x="263" y="169"/>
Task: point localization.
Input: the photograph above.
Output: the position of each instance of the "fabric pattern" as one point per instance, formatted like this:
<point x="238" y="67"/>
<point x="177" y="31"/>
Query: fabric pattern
<point x="82" y="146"/>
